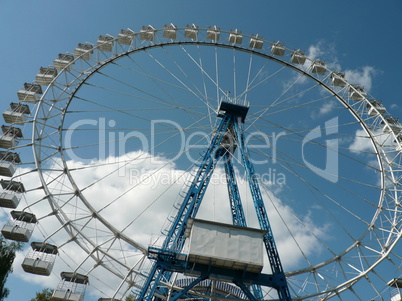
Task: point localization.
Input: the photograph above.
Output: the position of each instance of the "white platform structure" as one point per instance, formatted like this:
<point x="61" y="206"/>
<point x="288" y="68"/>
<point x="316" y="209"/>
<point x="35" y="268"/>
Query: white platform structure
<point x="224" y="245"/>
<point x="40" y="259"/>
<point x="71" y="288"/>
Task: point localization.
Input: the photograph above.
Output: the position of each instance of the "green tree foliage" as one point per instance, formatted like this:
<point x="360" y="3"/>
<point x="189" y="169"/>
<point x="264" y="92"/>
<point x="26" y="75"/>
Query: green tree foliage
<point x="7" y="256"/>
<point x="44" y="295"/>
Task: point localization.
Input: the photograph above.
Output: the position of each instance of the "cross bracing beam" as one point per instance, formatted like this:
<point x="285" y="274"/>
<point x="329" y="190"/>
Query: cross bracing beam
<point x="228" y="137"/>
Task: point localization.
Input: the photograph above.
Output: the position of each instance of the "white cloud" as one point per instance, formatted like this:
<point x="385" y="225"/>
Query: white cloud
<point x="325" y="109"/>
<point x="362" y="76"/>
<point x="141" y="208"/>
<point x="361" y="142"/>
<point x="317" y="51"/>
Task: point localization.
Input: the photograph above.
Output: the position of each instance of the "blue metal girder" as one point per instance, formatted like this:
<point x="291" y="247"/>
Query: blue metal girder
<point x="192" y="201"/>
<point x="189" y="287"/>
<point x="236" y="206"/>
<point x="246" y="291"/>
<point x="238" y="217"/>
<point x="175" y="238"/>
<point x="272" y="251"/>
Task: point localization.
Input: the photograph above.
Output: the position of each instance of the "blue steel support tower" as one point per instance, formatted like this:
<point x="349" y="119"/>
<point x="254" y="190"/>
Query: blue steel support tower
<point x="228" y="137"/>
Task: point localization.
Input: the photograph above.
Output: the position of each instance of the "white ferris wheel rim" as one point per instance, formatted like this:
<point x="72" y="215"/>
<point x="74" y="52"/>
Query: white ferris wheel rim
<point x="40" y="122"/>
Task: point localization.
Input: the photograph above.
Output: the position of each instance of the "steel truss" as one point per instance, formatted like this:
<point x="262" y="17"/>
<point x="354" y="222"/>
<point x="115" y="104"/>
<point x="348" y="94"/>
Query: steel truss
<point x="228" y="137"/>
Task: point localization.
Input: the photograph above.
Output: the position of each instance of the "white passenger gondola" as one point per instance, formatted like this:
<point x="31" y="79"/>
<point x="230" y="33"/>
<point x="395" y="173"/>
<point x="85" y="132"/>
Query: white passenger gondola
<point x="30" y="93"/>
<point x="7" y="142"/>
<point x="105" y="43"/>
<point x="215" y="252"/>
<point x="170" y="31"/>
<point x="278" y="49"/>
<point x="7" y="169"/>
<point x="298" y="57"/>
<point x="9" y="138"/>
<point x="318" y="67"/>
<point x="235" y="37"/>
<point x="191" y="32"/>
<point x="10" y="156"/>
<point x="391" y="125"/>
<point x="376" y="108"/>
<point x="46" y="75"/>
<point x="7" y="161"/>
<point x="10" y="199"/>
<point x="213" y="33"/>
<point x="40" y="259"/>
<point x="147" y="33"/>
<point x="17" y="113"/>
<point x="256" y="41"/>
<point x="83" y="51"/>
<point x="12" y="185"/>
<point x="71" y="288"/>
<point x="125" y="36"/>
<point x="398" y="143"/>
<point x="14" y="117"/>
<point x="63" y="61"/>
<point x="338" y="79"/>
<point x="20" y="227"/>
<point x="357" y="92"/>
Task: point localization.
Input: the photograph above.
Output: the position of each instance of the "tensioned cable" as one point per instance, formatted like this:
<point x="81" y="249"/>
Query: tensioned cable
<point x="126" y="94"/>
<point x="295" y="163"/>
<point x="199" y="94"/>
<point x="248" y="87"/>
<point x="327" y="209"/>
<point x="200" y="62"/>
<point x="123" y="166"/>
<point x="178" y="79"/>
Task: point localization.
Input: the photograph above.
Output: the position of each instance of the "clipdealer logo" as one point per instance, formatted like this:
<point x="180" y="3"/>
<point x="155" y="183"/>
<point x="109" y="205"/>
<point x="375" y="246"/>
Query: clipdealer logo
<point x="113" y="145"/>
<point x="331" y="169"/>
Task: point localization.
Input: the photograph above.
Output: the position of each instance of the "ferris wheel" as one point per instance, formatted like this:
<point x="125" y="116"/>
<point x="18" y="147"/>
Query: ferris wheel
<point x="288" y="173"/>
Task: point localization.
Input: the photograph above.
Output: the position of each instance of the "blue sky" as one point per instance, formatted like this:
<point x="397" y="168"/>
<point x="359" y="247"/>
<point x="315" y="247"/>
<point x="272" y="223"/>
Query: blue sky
<point x="357" y="34"/>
